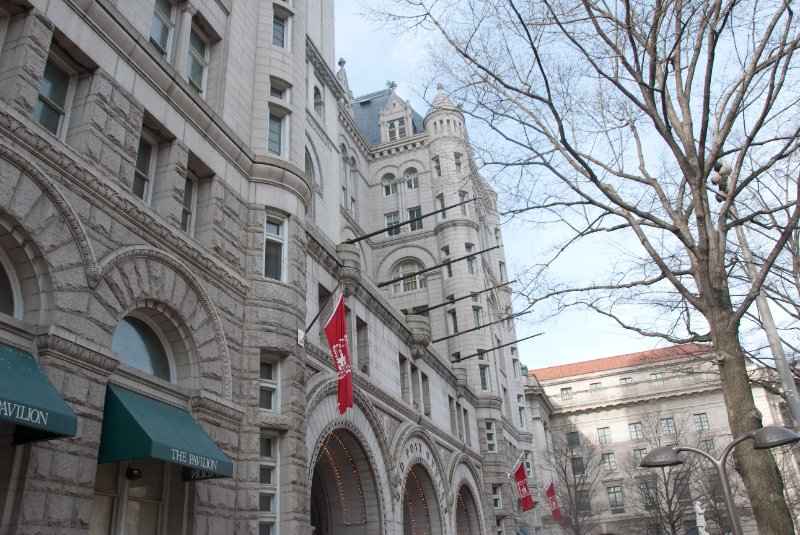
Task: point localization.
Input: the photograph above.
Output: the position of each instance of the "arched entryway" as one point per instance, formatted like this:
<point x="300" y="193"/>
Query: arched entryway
<point x="344" y="497"/>
<point x="467" y="522"/>
<point x="420" y="506"/>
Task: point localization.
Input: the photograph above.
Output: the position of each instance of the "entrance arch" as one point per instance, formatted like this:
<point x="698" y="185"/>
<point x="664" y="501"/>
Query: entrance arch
<point x="467" y="521"/>
<point x="344" y="493"/>
<point x="420" y="506"/>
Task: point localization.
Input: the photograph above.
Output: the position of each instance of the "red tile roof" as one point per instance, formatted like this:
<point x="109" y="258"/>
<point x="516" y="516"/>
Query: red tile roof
<point x="620" y="361"/>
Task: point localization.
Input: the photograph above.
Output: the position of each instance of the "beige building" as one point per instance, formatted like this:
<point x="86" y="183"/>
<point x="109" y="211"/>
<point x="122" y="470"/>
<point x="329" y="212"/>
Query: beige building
<point x="594" y="420"/>
<point x="177" y="181"/>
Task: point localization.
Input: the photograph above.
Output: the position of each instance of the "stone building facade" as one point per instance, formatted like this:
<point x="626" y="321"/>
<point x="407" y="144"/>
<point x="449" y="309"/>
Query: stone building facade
<point x="177" y="181"/>
<point x="595" y="420"/>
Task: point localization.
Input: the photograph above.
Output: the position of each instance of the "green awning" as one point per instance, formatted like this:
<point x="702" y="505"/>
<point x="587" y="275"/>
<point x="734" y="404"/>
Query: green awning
<point x="29" y="399"/>
<point x="137" y="427"/>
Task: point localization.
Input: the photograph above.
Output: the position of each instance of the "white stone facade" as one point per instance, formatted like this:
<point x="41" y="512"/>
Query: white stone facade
<point x="188" y="168"/>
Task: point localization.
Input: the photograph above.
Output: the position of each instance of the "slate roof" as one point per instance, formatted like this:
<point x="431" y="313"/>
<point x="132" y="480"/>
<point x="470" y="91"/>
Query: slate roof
<point x="368" y="121"/>
<point x="620" y="361"/>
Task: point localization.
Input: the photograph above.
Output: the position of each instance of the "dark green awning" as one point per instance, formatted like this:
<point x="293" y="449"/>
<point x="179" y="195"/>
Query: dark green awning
<point x="137" y="427"/>
<point x="29" y="399"/>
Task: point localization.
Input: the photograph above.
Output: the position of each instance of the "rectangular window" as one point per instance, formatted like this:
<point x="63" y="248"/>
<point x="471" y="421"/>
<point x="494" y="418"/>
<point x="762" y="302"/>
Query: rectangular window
<point x="467" y="432"/>
<point x="636" y="431"/>
<point x="452" y="321"/>
<point x="392" y="219"/>
<point x="583" y="501"/>
<point x="522" y="417"/>
<point x="275" y="134"/>
<point x="707" y="445"/>
<point x="268" y="485"/>
<point x="274" y="241"/>
<point x="502" y="268"/>
<point x="457" y="161"/>
<point x="448" y="268"/>
<point x="197" y="63"/>
<point x="426" y="394"/>
<point x="566" y="393"/>
<point x="269" y="396"/>
<point x="437" y="166"/>
<point x="638" y="455"/>
<point x="656" y="377"/>
<point x="515" y="366"/>
<point x="412" y="179"/>
<point x="414" y="213"/>
<point x="573" y="439"/>
<point x="497" y="498"/>
<point x="477" y="316"/>
<point x="528" y="464"/>
<point x="594" y="387"/>
<point x="625" y="381"/>
<point x="405" y="383"/>
<point x="498" y="522"/>
<point x="471" y="261"/>
<point x="279" y="30"/>
<point x="604" y="435"/>
<point x="144" y="170"/>
<point x="390" y="189"/>
<point x="701" y="421"/>
<point x="609" y="462"/>
<point x="440" y="206"/>
<point x="484" y="372"/>
<point x="462" y="198"/>
<point x="682" y="489"/>
<point x="615" y="497"/>
<point x="397" y="129"/>
<point x="491" y="445"/>
<point x="454" y="408"/>
<point x="55" y="93"/>
<point x="578" y="467"/>
<point x="189" y="204"/>
<point x="667" y="426"/>
<point x="162" y="25"/>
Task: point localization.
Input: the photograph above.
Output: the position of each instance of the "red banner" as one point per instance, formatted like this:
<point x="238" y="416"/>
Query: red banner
<point x="336" y="332"/>
<point x="525" y="499"/>
<point x="553" y="499"/>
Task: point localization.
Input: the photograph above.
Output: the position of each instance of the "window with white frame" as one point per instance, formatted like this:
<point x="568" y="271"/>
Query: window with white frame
<point x="397" y="129"/>
<point x="625" y="381"/>
<point x="573" y="439"/>
<point x="701" y="421"/>
<point x="269" y="385"/>
<point x="502" y="269"/>
<point x="274" y="244"/>
<point x="410" y="283"/>
<point x="280" y="29"/>
<point x="497" y="496"/>
<point x="604" y="435"/>
<point x="707" y="445"/>
<point x="144" y="171"/>
<point x="447" y="268"/>
<point x="389" y="185"/>
<point x="615" y="497"/>
<point x="477" y="316"/>
<point x="515" y="367"/>
<point x="319" y="103"/>
<point x="55" y="95"/>
<point x="638" y="455"/>
<point x="484" y="376"/>
<point x="412" y="178"/>
<point x="656" y="377"/>
<point x="10" y="301"/>
<point x="392" y="218"/>
<point x="457" y="159"/>
<point x="501" y="530"/>
<point x="522" y="417"/>
<point x="197" y="63"/>
<point x="472" y="262"/>
<point x="636" y="430"/>
<point x="609" y="462"/>
<point x="414" y="213"/>
<point x="276" y="132"/>
<point x="188" y="212"/>
<point x="528" y="464"/>
<point x="452" y="321"/>
<point x="566" y="393"/>
<point x="667" y="426"/>
<point x="280" y="89"/>
<point x="162" y="26"/>
<point x="440" y="206"/>
<point x="462" y="199"/>
<point x="491" y="442"/>
<point x="268" y="485"/>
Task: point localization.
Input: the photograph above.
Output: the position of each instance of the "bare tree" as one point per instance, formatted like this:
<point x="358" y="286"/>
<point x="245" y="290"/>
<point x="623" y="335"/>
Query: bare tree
<point x="577" y="467"/>
<point x="607" y="120"/>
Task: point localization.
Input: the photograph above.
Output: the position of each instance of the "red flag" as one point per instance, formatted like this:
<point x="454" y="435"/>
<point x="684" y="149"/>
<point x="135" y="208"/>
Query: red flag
<point x="336" y="332"/>
<point x="525" y="499"/>
<point x="554" y="507"/>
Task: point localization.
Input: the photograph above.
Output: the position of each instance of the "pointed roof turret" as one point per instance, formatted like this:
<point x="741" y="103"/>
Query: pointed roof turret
<point x="341" y="75"/>
<point x="442" y="102"/>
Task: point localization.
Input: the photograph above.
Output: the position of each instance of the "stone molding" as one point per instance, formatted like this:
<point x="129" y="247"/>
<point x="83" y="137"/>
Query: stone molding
<point x="41" y="179"/>
<point x="116" y="257"/>
<point x="203" y="404"/>
<point x="324" y="72"/>
<point x="75" y="353"/>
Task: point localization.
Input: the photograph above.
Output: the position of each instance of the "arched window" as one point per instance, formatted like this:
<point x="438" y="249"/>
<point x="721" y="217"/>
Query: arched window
<point x="140" y="346"/>
<point x="319" y="104"/>
<point x="10" y="299"/>
<point x="389" y="185"/>
<point x="408" y="284"/>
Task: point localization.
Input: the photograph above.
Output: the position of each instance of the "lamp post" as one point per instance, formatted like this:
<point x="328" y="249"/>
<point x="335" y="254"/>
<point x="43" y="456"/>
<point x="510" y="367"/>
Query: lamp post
<point x="763" y="438"/>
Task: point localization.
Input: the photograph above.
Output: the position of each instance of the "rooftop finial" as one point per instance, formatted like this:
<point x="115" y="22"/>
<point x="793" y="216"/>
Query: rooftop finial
<point x="341" y="62"/>
<point x="439" y="86"/>
<point x="391" y="84"/>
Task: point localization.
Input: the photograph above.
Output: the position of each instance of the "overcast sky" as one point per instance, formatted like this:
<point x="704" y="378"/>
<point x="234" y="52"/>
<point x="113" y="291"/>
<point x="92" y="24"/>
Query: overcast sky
<point x="374" y="56"/>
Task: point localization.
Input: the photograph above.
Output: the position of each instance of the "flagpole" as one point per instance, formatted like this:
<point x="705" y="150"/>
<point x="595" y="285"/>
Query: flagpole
<point x="521" y="455"/>
<point x="319" y="313"/>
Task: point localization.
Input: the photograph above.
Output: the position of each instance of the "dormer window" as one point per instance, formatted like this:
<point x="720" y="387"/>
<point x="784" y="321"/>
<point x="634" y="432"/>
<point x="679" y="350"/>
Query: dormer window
<point x="397" y="129"/>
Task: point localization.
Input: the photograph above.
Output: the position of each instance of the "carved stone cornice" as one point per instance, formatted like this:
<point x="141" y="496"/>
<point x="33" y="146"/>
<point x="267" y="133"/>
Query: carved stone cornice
<point x="77" y="354"/>
<point x="142" y="221"/>
<point x="317" y="128"/>
<point x="216" y="409"/>
<point x="349" y="124"/>
<point x="324" y="72"/>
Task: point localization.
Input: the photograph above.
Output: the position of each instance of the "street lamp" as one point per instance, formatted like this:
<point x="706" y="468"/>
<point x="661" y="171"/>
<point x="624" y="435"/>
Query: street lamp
<point x="763" y="438"/>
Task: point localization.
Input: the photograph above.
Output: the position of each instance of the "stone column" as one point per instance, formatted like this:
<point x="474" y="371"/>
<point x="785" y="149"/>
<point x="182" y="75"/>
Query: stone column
<point x="187" y="12"/>
<point x="25" y="51"/>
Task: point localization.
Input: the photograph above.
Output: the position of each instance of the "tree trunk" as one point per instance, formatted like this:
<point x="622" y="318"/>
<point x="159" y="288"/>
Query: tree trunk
<point x="758" y="469"/>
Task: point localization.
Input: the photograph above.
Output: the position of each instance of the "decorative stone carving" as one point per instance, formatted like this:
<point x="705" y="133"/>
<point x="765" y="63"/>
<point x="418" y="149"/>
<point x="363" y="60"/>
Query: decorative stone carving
<point x="349" y="271"/>
<point x="420" y="334"/>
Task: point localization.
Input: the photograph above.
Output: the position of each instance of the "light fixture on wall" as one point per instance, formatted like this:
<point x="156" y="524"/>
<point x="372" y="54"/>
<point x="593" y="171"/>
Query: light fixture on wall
<point x="133" y="474"/>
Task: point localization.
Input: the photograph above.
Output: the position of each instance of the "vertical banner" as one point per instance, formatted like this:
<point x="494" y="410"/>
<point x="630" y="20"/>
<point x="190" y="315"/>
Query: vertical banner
<point x="553" y="499"/>
<point x="336" y="332"/>
<point x="525" y="499"/>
